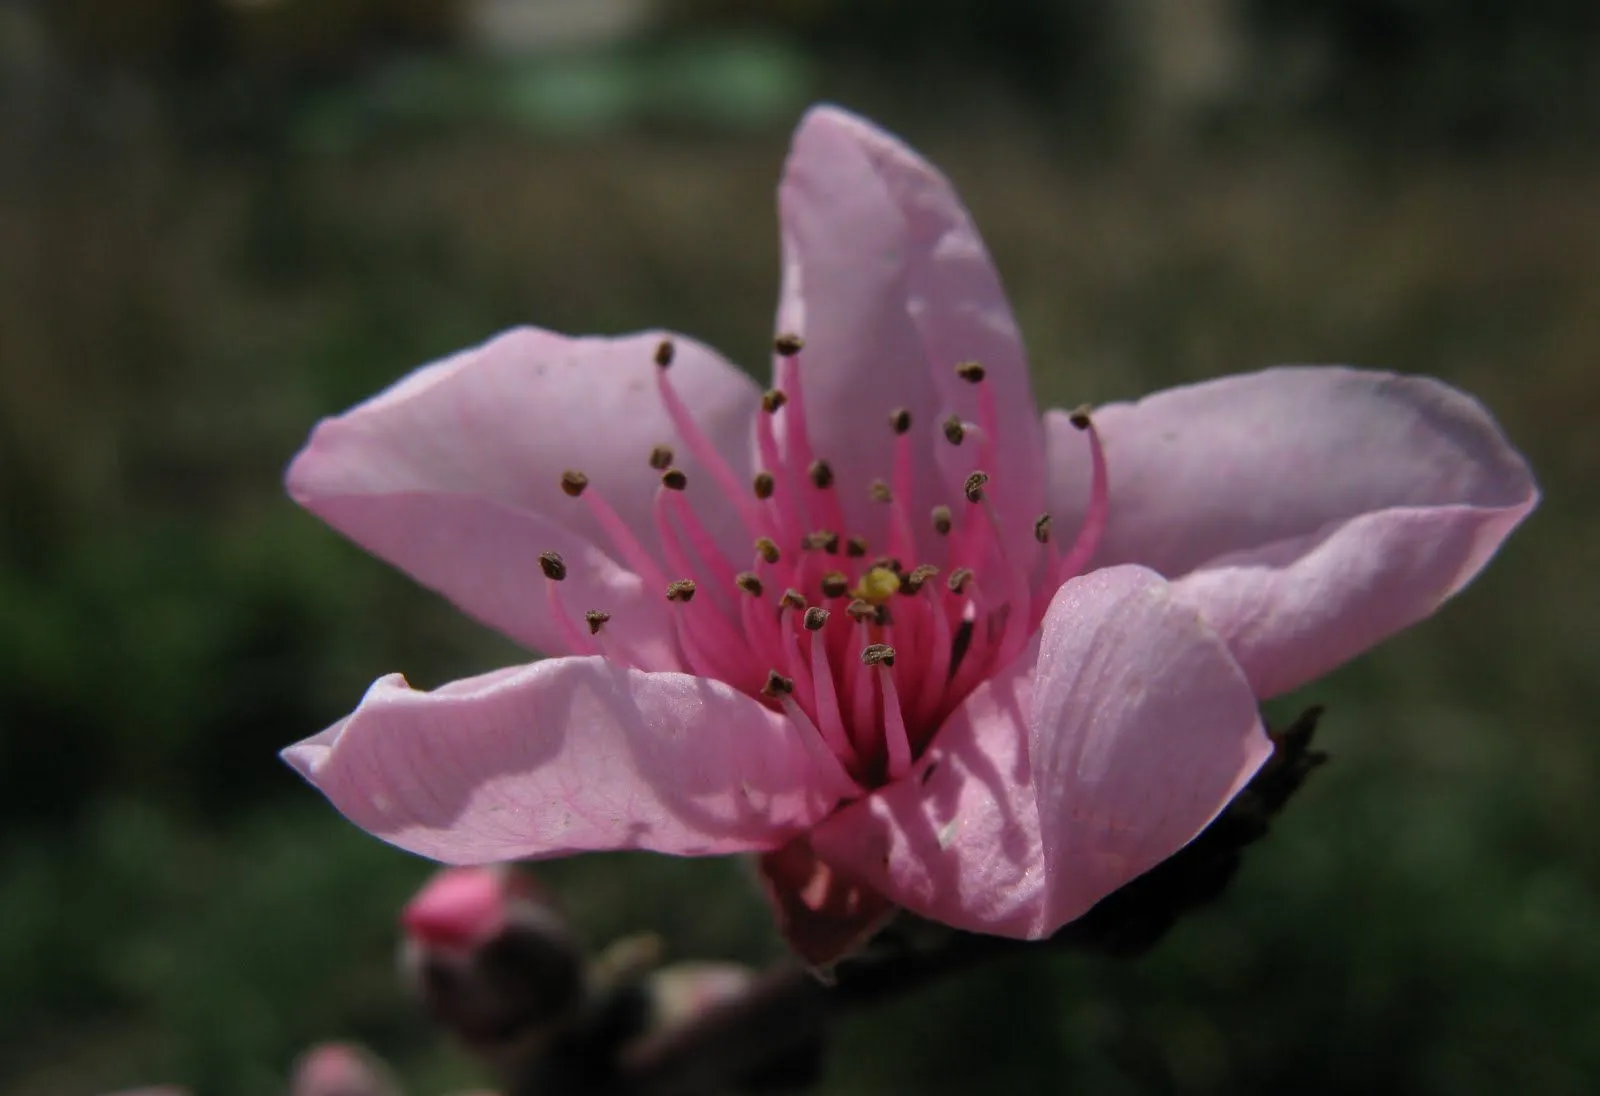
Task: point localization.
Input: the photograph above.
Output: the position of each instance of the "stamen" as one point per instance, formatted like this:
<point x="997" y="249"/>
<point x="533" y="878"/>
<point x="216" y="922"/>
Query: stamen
<point x="973" y="488"/>
<point x="777" y="685"/>
<point x="765" y="485"/>
<point x="877" y="654"/>
<point x="661" y="458"/>
<point x="888" y="563"/>
<point x="855" y="547"/>
<point x="822" y="540"/>
<point x="674" y="479"/>
<point x="828" y="754"/>
<point x="826" y="698"/>
<point x="897" y="744"/>
<point x="622" y="538"/>
<point x="788" y="344"/>
<point x="900" y="420"/>
<point x="912" y="583"/>
<point x="1094" y="519"/>
<point x="816" y="618"/>
<point x="861" y="610"/>
<point x="954" y="432"/>
<point x="596" y="619"/>
<point x="767" y="549"/>
<point x="749" y="582"/>
<point x="835" y="584"/>
<point x="700" y="445"/>
<point x="792" y="599"/>
<point x="958" y="580"/>
<point x="665" y="350"/>
<point x="553" y="566"/>
<point x="821" y="473"/>
<point x="942" y="521"/>
<point x="772" y="399"/>
<point x="879" y="491"/>
<point x="681" y="590"/>
<point x="1041" y="529"/>
<point x="573" y="483"/>
<point x="971" y="372"/>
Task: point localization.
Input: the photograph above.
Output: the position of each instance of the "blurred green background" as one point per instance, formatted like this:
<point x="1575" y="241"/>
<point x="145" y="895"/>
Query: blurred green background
<point x="220" y="221"/>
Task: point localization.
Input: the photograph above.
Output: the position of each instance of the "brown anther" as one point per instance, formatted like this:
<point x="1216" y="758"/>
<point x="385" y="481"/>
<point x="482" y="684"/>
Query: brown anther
<point x="1079" y="416"/>
<point x="973" y="488"/>
<point x="792" y="599"/>
<point x="553" y="566"/>
<point x="855" y="547"/>
<point x="1041" y="529"/>
<point x="835" y="584"/>
<point x="661" y="458"/>
<point x="821" y="473"/>
<point x="772" y="399"/>
<point x="815" y="618"/>
<point x="681" y="590"/>
<point x="954" y="432"/>
<point x="888" y="563"/>
<point x="877" y="654"/>
<point x="862" y="610"/>
<point x="597" y="619"/>
<point x="673" y="479"/>
<point x="767" y="549"/>
<point x="664" y="352"/>
<point x="900" y="420"/>
<point x="788" y="344"/>
<point x="765" y="485"/>
<point x="823" y="540"/>
<point x="777" y="685"/>
<point x="880" y="491"/>
<point x="749" y="582"/>
<point x="573" y="483"/>
<point x="941" y="520"/>
<point x="971" y="372"/>
<point x="912" y="583"/>
<point x="958" y="579"/>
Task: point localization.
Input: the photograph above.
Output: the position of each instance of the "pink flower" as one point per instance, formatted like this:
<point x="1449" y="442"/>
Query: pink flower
<point x="832" y="625"/>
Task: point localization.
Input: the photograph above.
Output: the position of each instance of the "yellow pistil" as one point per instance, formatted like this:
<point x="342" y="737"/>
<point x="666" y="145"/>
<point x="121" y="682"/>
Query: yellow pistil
<point x="877" y="586"/>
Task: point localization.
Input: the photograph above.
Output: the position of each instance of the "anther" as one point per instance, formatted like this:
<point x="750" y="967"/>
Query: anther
<point x="681" y="590"/>
<point x="573" y="483"/>
<point x="788" y="344"/>
<point x="816" y="617"/>
<point x="971" y="372"/>
<point x="749" y="582"/>
<point x="942" y="520"/>
<point x="553" y="566"/>
<point x="887" y="563"/>
<point x="661" y="458"/>
<point x="880" y="491"/>
<point x="835" y="584"/>
<point x="772" y="399"/>
<point x="912" y="583"/>
<point x="765" y="485"/>
<point x="877" y="654"/>
<point x="1079" y="416"/>
<point x="821" y="473"/>
<point x="673" y="479"/>
<point x="822" y="539"/>
<point x="665" y="352"/>
<point x="792" y="599"/>
<point x="900" y="420"/>
<point x="860" y="609"/>
<point x="767" y="549"/>
<point x="597" y="619"/>
<point x="1041" y="529"/>
<point x="777" y="685"/>
<point x="855" y="547"/>
<point x="973" y="488"/>
<point x="958" y="579"/>
<point x="954" y="432"/>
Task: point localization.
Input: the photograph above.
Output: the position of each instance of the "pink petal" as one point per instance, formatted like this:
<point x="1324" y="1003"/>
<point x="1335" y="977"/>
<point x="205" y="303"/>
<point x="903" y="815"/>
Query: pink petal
<point x="483" y="438"/>
<point x="562" y="756"/>
<point x="1335" y="506"/>
<point x="887" y="279"/>
<point x="822" y="914"/>
<point x="1104" y="751"/>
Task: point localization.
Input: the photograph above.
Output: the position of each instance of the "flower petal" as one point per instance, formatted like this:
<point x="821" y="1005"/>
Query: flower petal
<point x="822" y="915"/>
<point x="889" y="282"/>
<point x="1335" y="506"/>
<point x="562" y="756"/>
<point x="1101" y="753"/>
<point x="485" y="436"/>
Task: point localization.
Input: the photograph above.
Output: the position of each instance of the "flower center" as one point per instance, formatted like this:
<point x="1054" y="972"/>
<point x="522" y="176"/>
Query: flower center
<point x="868" y="656"/>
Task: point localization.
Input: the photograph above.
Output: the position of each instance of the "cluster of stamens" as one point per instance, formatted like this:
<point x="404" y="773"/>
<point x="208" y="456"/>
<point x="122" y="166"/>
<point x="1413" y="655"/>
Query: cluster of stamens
<point x="866" y="654"/>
